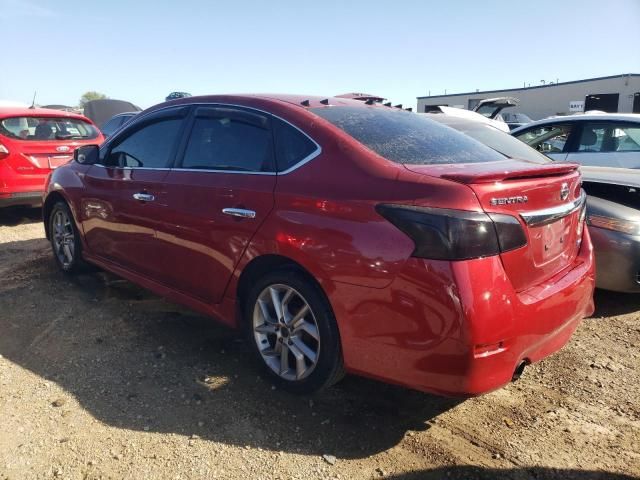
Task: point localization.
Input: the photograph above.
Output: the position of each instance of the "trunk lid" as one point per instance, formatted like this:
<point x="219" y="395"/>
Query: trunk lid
<point x="547" y="201"/>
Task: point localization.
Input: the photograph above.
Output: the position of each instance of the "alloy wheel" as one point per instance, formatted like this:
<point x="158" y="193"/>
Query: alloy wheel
<point x="63" y="238"/>
<point x="286" y="332"/>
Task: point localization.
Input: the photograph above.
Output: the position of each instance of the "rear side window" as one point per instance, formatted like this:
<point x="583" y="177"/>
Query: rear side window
<point x="609" y="137"/>
<point x="292" y="146"/>
<point x="149" y="147"/>
<point x="405" y="137"/>
<point x="47" y="128"/>
<point x="233" y="142"/>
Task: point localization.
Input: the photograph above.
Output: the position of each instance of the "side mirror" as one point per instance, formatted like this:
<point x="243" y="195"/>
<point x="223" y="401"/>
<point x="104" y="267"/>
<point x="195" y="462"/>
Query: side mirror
<point x="87" y="154"/>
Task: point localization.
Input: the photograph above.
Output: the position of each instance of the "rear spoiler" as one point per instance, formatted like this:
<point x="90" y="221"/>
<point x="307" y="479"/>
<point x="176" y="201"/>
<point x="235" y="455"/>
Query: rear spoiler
<point x="535" y="170"/>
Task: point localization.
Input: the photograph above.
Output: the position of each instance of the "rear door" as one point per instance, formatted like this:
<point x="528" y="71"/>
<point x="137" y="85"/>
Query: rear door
<point x="125" y="198"/>
<point x="552" y="139"/>
<point x="217" y="196"/>
<point x="608" y="144"/>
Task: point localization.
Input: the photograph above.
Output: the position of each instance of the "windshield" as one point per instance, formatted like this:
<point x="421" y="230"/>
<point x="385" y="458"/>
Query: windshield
<point x="47" y="128"/>
<point x="499" y="141"/>
<point x="405" y="137"/>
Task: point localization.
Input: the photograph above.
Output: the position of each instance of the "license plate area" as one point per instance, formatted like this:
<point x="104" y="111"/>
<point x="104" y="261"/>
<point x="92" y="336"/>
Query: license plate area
<point x="56" y="161"/>
<point x="552" y="240"/>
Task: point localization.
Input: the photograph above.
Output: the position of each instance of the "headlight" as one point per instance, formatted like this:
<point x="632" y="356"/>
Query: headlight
<point x="616" y="224"/>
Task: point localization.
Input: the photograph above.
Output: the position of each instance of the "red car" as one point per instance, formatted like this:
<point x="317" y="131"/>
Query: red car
<point x="344" y="236"/>
<point x="34" y="141"/>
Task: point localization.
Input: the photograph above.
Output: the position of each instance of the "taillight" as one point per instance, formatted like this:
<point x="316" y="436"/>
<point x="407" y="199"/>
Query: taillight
<point x="446" y="234"/>
<point x="4" y="152"/>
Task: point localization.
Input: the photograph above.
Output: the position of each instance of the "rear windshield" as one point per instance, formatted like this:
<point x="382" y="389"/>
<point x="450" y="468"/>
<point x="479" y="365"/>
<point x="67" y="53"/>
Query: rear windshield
<point x="47" y="128"/>
<point x="405" y="137"/>
<point x="499" y="141"/>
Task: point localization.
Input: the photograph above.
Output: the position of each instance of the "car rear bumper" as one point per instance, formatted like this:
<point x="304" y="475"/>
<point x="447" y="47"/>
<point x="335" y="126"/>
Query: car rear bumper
<point x="20" y="198"/>
<point x="617" y="260"/>
<point x="459" y="328"/>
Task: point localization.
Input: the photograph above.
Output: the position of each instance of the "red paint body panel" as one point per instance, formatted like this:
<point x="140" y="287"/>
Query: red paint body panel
<point x="24" y="171"/>
<point x="450" y="327"/>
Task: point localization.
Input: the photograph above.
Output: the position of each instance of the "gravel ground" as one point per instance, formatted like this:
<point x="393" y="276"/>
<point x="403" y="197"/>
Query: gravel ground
<point x="101" y="379"/>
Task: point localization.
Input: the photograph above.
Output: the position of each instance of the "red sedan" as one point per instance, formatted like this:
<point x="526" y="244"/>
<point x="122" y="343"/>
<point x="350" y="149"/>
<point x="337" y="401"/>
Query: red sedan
<point x="34" y="141"/>
<point x="343" y="236"/>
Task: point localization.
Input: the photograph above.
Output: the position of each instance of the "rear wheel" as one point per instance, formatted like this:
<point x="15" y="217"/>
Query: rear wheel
<point x="65" y="240"/>
<point x="293" y="332"/>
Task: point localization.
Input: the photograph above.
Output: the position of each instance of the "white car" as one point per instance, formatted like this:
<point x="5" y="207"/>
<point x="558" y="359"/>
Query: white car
<point x="602" y="139"/>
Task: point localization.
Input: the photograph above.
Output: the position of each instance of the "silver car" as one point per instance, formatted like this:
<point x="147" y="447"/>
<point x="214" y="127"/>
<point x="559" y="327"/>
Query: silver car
<point x="603" y="139"/>
<point x="613" y="206"/>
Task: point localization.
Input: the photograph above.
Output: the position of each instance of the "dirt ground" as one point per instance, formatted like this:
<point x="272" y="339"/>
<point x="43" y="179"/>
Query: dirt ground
<point x="100" y="379"/>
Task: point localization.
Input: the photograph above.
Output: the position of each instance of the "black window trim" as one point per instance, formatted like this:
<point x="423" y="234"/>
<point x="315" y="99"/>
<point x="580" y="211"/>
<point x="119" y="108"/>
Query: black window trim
<point x="142" y="117"/>
<point x="181" y="111"/>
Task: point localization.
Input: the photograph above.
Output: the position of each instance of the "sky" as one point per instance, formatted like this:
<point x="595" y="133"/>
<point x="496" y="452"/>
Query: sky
<point x="141" y="50"/>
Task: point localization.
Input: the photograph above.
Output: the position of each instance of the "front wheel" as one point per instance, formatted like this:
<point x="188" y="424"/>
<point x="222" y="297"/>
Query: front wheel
<point x="65" y="240"/>
<point x="293" y="332"/>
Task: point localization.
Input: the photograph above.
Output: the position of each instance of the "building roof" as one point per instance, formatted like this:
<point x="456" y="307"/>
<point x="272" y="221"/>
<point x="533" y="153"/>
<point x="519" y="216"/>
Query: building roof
<point x="531" y="88"/>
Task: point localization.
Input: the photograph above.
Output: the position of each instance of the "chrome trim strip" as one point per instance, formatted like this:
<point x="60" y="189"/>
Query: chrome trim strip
<point x="548" y="215"/>
<point x="239" y="212"/>
<point x="139" y="118"/>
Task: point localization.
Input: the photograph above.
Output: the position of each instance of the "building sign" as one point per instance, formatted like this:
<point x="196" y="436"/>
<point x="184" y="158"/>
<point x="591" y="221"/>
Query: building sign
<point x="576" y="106"/>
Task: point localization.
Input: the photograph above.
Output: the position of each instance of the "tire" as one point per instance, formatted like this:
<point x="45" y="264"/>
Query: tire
<point x="65" y="239"/>
<point x="300" y="351"/>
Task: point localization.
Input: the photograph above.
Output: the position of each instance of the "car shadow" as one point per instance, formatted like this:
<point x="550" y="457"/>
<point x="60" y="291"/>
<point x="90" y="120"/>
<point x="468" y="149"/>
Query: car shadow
<point x="138" y="362"/>
<point x="525" y="473"/>
<point x="615" y="303"/>
<point x="12" y="216"/>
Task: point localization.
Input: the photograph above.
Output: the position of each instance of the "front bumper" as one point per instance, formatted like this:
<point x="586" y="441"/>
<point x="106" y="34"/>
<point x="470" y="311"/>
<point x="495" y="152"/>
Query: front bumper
<point x="459" y="328"/>
<point x="617" y="260"/>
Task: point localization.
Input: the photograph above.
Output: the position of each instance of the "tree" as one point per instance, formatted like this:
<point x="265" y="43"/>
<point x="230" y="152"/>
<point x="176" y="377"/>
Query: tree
<point x="89" y="96"/>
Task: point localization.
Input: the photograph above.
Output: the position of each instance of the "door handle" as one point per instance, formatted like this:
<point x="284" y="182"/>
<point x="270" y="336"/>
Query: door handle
<point x="144" y="197"/>
<point x="239" y="212"/>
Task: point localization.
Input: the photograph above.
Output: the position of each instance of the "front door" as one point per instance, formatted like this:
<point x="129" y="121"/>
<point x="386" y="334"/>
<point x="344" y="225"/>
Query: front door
<point x="127" y="193"/>
<point x="216" y="198"/>
<point x="608" y="144"/>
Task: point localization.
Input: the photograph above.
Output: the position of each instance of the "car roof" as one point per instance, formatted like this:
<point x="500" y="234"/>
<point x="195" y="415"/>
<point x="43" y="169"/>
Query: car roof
<point x="301" y="101"/>
<point x="598" y="117"/>
<point x="37" y="112"/>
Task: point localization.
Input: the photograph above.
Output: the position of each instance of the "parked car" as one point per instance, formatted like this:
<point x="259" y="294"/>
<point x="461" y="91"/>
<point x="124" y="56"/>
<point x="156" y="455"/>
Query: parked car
<point x="613" y="206"/>
<point x="115" y="122"/>
<point x="34" y="141"/>
<point x="613" y="216"/>
<point x="469" y="115"/>
<point x="342" y="236"/>
<point x="604" y="139"/>
<point x="492" y="137"/>
<point x="101" y="111"/>
<point x="515" y="120"/>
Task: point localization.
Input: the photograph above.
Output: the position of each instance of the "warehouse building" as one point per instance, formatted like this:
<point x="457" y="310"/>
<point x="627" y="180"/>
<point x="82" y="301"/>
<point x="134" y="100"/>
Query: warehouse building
<point x="617" y="93"/>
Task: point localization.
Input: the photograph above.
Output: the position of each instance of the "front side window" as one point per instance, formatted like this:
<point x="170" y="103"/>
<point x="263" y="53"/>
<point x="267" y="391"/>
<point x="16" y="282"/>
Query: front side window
<point x="546" y="139"/>
<point x="405" y="137"/>
<point x="229" y="141"/>
<point x="47" y="128"/>
<point x="609" y="137"/>
<point x="148" y="147"/>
